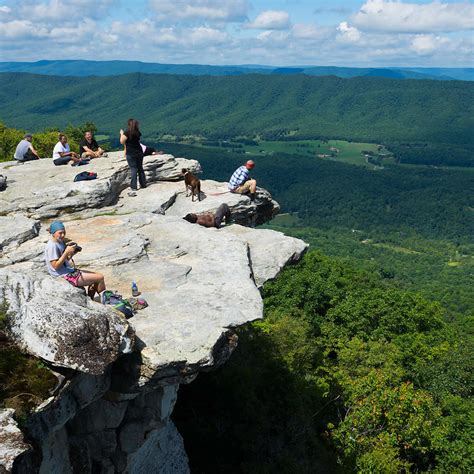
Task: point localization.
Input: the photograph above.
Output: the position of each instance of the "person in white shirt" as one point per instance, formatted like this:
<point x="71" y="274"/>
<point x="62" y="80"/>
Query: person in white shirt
<point x="62" y="154"/>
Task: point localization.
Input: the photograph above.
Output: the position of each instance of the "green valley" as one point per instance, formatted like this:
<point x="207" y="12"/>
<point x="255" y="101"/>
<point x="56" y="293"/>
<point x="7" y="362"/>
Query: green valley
<point x="413" y="118"/>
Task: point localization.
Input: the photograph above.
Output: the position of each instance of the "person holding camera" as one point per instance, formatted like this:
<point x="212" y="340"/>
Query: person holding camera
<point x="58" y="256"/>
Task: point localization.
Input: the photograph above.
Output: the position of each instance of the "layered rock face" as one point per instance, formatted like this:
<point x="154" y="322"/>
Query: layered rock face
<point x="118" y="378"/>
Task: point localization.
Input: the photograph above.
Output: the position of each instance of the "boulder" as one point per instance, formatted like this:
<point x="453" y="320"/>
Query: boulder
<point x="60" y="324"/>
<point x="12" y="444"/>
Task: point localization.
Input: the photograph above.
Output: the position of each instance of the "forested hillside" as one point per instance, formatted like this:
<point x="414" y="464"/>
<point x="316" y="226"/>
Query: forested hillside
<point x="345" y="374"/>
<point x="412" y="114"/>
<point x="411" y="225"/>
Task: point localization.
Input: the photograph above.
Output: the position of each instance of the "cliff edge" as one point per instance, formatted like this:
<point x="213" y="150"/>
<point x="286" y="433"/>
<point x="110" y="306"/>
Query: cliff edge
<point x="119" y="378"/>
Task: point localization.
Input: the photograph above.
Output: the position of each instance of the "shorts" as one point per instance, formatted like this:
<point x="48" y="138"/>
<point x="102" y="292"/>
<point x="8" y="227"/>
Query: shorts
<point x="243" y="188"/>
<point x="73" y="277"/>
<point x="85" y="155"/>
<point x="222" y="212"/>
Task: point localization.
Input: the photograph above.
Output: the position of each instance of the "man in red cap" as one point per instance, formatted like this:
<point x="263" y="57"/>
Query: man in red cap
<point x="240" y="182"/>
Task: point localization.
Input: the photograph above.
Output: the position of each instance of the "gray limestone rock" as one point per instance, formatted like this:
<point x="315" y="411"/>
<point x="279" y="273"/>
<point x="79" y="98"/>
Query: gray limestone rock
<point x="12" y="444"/>
<point x="56" y="322"/>
<point x="270" y="251"/>
<point x="16" y="229"/>
<point x="41" y="190"/>
<point x="161" y="453"/>
<point x="111" y="412"/>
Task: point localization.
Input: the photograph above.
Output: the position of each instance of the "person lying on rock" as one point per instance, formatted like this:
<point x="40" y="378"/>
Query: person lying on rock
<point x="149" y="150"/>
<point x="240" y="182"/>
<point x="25" y="150"/>
<point x="211" y="220"/>
<point x="62" y="154"/>
<point x="58" y="256"/>
<point x="89" y="148"/>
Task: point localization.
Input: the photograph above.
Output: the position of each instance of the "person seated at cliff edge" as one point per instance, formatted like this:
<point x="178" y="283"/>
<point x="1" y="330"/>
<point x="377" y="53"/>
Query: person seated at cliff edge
<point x="25" y="150"/>
<point x="211" y="220"/>
<point x="89" y="148"/>
<point x="58" y="257"/>
<point x="62" y="154"/>
<point x="240" y="182"/>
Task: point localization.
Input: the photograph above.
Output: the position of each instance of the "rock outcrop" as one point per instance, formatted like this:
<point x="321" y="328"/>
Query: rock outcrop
<point x="119" y="379"/>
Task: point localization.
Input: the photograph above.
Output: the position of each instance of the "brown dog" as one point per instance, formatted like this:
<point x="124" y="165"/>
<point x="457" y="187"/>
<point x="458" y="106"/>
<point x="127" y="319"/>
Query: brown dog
<point x="191" y="183"/>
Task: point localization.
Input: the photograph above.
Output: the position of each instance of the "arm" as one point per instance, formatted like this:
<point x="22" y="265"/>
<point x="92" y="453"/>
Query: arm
<point x="87" y="149"/>
<point x="67" y="254"/>
<point x="68" y="153"/>
<point x="34" y="151"/>
<point x="123" y="137"/>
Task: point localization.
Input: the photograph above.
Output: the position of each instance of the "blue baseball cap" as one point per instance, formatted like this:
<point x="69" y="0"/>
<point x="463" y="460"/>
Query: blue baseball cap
<point x="55" y="226"/>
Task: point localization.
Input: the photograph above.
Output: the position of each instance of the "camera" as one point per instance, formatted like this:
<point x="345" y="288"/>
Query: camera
<point x="78" y="248"/>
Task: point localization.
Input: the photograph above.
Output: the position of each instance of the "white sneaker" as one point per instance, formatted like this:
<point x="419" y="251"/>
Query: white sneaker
<point x="132" y="193"/>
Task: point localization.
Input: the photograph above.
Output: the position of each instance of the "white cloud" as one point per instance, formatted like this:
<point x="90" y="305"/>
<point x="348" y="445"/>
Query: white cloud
<point x="396" y="16"/>
<point x="427" y="44"/>
<point x="169" y="37"/>
<point x="347" y="33"/>
<point x="271" y="20"/>
<point x="304" y="31"/>
<point x="63" y="10"/>
<point x="210" y="10"/>
<point x="20" y="29"/>
<point x="5" y="9"/>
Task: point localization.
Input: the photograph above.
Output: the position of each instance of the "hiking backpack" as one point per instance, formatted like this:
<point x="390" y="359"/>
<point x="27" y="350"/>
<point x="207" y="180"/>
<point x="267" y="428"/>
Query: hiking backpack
<point x="85" y="176"/>
<point x="118" y="303"/>
<point x="3" y="182"/>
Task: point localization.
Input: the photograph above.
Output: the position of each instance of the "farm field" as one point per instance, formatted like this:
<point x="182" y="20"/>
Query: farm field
<point x="334" y="150"/>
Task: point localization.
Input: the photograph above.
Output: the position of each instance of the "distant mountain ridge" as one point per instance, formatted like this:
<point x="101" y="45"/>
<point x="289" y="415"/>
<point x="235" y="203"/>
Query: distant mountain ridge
<point x="112" y="68"/>
<point x="365" y="109"/>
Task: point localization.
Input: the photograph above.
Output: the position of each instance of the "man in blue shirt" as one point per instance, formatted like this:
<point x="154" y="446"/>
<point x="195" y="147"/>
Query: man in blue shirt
<point x="240" y="182"/>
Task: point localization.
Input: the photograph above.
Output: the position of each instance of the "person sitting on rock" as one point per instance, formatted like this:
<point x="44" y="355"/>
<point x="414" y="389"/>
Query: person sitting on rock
<point x="89" y="148"/>
<point x="211" y="220"/>
<point x="58" y="256"/>
<point x="62" y="154"/>
<point x="25" y="150"/>
<point x="240" y="182"/>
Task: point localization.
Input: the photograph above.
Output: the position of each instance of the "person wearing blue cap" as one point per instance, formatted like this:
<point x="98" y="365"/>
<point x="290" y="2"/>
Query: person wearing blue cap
<point x="58" y="256"/>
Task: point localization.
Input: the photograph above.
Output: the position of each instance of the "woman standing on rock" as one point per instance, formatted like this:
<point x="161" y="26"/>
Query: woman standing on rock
<point x="58" y="256"/>
<point x="134" y="154"/>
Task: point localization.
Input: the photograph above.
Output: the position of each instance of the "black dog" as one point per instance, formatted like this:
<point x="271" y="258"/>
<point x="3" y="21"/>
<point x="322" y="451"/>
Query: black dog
<point x="191" y="183"/>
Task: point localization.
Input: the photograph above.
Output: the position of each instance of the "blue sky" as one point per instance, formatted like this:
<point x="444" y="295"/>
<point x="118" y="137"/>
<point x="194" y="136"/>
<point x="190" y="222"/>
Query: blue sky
<point x="281" y="32"/>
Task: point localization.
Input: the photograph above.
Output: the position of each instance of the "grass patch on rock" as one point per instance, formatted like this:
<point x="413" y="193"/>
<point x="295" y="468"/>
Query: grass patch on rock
<point x="25" y="380"/>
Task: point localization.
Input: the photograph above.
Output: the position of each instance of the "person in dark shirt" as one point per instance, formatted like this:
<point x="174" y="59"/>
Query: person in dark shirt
<point x="89" y="148"/>
<point x="134" y="154"/>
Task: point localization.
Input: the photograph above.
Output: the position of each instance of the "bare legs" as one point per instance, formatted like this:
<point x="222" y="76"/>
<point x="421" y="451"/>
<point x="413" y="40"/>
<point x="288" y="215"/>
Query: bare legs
<point x="253" y="186"/>
<point x="95" y="282"/>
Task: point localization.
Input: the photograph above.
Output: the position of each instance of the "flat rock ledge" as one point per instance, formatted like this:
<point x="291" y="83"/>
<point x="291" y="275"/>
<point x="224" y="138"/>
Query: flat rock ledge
<point x="123" y="375"/>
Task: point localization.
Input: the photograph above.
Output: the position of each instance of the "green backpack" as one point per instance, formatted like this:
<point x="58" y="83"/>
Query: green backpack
<point x="118" y="303"/>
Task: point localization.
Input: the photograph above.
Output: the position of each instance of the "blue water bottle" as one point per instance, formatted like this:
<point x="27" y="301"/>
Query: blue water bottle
<point x="135" y="291"/>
